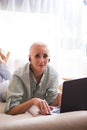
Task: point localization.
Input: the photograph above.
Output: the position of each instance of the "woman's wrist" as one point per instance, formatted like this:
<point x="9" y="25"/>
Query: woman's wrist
<point x="0" y="60"/>
<point x="2" y="55"/>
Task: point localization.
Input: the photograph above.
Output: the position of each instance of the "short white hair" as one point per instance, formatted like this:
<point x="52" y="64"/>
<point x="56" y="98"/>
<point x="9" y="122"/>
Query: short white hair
<point x="37" y="44"/>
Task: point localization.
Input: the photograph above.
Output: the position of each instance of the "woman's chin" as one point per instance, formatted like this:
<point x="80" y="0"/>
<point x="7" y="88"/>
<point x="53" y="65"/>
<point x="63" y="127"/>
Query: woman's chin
<point x="41" y="70"/>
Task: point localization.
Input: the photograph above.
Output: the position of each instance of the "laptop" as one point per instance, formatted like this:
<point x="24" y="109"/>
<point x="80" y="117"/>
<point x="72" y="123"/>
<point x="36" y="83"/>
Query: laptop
<point x="74" y="95"/>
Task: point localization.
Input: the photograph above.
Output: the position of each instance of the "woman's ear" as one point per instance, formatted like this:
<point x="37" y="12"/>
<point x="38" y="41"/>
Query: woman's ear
<point x="49" y="60"/>
<point x="29" y="58"/>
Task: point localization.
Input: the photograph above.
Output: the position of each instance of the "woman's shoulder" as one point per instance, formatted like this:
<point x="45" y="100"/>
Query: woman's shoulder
<point x="21" y="70"/>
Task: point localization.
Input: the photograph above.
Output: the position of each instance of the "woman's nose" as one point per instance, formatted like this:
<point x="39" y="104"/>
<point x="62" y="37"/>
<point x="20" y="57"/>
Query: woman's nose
<point x="41" y="59"/>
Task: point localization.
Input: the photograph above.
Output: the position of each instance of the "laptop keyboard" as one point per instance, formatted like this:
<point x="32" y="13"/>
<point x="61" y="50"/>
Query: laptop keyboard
<point x="55" y="111"/>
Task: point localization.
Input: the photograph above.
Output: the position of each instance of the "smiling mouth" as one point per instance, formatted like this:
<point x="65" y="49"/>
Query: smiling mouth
<point x="42" y="66"/>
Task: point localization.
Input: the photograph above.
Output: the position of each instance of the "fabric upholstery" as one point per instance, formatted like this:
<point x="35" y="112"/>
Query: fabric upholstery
<point x="65" y="121"/>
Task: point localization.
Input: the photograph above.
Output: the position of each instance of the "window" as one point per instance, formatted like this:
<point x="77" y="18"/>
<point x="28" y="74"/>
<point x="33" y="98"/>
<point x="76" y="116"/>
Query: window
<point x="59" y="23"/>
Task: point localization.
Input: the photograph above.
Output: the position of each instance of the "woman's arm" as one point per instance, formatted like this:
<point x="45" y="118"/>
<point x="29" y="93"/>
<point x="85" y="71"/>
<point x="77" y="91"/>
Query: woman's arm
<point x="23" y="107"/>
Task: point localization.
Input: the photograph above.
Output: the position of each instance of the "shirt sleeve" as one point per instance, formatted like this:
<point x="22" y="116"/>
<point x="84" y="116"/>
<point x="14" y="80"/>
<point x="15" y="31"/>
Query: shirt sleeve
<point x="14" y="93"/>
<point x="4" y="72"/>
<point x="52" y="89"/>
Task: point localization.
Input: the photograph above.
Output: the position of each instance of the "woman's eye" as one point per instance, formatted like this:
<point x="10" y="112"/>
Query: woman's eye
<point x="45" y="56"/>
<point x="37" y="56"/>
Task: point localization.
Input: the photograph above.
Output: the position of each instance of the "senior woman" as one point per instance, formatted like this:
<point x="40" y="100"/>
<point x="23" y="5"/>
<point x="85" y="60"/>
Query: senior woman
<point x="36" y="83"/>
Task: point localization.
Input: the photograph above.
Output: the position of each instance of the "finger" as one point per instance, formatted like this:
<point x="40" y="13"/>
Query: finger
<point x="51" y="107"/>
<point x="45" y="109"/>
<point x="42" y="108"/>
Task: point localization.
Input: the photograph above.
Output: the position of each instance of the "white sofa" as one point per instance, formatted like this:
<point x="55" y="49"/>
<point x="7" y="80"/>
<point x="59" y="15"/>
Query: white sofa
<point x="66" y="121"/>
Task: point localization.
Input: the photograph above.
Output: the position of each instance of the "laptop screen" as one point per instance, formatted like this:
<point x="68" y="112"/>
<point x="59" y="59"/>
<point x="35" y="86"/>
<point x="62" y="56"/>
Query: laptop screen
<point x="74" y="96"/>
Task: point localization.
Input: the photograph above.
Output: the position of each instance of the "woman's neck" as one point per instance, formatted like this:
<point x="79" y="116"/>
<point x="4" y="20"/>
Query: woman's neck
<point x="36" y="74"/>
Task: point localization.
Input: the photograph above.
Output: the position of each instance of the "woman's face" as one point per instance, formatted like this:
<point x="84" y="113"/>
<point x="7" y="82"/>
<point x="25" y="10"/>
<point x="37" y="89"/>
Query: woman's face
<point x="39" y="58"/>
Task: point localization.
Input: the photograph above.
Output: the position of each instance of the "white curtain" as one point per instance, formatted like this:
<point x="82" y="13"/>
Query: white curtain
<point x="59" y="23"/>
<point x="41" y="6"/>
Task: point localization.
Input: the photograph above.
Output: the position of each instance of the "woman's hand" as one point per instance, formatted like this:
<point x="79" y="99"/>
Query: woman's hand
<point x="2" y="55"/>
<point x="42" y="105"/>
<point x="57" y="101"/>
